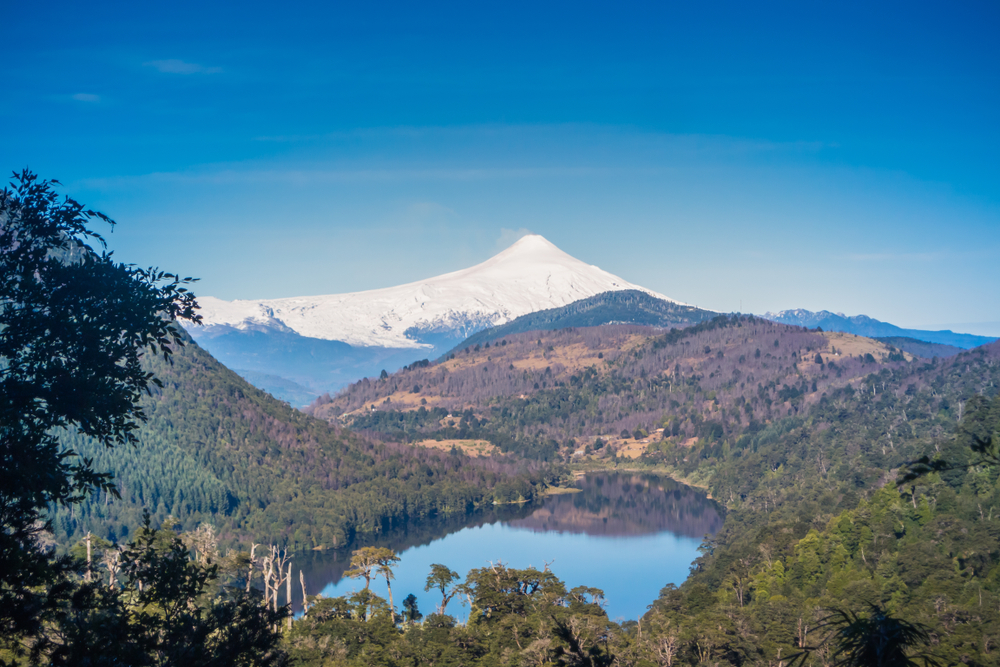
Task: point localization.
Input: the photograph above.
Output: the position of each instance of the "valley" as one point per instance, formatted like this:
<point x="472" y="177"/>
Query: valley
<point x="215" y="449"/>
<point x="802" y="445"/>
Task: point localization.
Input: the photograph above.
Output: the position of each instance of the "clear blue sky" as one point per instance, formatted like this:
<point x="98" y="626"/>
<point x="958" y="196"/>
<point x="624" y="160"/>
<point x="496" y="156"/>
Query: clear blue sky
<point x="804" y="154"/>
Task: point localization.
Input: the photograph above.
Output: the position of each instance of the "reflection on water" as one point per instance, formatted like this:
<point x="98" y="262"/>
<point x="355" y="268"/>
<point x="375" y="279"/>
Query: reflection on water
<point x="623" y="504"/>
<point x="322" y="568"/>
<point x="619" y="524"/>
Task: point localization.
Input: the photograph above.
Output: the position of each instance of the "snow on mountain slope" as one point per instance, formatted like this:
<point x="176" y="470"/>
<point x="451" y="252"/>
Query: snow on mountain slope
<point x="531" y="275"/>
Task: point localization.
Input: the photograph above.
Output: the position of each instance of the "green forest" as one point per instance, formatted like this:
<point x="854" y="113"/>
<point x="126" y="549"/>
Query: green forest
<point x="215" y="449"/>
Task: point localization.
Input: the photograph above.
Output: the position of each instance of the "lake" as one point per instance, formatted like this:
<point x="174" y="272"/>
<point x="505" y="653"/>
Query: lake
<point x="628" y="534"/>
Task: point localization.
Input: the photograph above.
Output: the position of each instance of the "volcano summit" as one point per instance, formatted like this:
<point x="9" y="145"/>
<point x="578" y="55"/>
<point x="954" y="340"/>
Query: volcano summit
<point x="323" y="342"/>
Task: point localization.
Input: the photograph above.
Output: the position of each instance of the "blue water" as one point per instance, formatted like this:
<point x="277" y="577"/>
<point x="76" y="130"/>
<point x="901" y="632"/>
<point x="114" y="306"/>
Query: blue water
<point x="628" y="535"/>
<point x="630" y="570"/>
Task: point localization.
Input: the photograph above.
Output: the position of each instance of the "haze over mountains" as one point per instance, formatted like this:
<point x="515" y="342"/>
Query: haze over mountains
<point x="298" y="348"/>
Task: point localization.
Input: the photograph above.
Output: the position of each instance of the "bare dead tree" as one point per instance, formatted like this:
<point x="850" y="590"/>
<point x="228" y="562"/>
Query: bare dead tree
<point x="305" y="598"/>
<point x="112" y="560"/>
<point x="666" y="649"/>
<point x="252" y="565"/>
<point x="88" y="575"/>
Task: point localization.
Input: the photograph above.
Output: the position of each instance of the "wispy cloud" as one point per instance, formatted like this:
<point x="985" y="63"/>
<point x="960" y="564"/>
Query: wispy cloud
<point x="87" y="97"/>
<point x="174" y="66"/>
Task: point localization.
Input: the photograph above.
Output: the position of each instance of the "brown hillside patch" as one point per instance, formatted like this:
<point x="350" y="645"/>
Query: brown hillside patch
<point x="469" y="447"/>
<point x="756" y="357"/>
<point x="565" y="360"/>
<point x="574" y="358"/>
<point x="633" y="449"/>
<point x="856" y="346"/>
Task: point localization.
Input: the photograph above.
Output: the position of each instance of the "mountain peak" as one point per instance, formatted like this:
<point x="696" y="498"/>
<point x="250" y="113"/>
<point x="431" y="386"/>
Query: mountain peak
<point x="530" y="242"/>
<point x="533" y="247"/>
<point x="531" y="275"/>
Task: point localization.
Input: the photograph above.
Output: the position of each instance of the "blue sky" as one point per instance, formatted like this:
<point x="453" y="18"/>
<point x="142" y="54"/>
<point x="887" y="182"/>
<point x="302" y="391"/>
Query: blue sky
<point x="775" y="155"/>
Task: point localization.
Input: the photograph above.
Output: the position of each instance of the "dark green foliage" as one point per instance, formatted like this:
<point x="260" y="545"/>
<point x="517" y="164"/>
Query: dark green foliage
<point x="517" y="617"/>
<point x="411" y="612"/>
<point x="444" y="580"/>
<point x="810" y="524"/>
<point x="979" y="433"/>
<point x="162" y="609"/>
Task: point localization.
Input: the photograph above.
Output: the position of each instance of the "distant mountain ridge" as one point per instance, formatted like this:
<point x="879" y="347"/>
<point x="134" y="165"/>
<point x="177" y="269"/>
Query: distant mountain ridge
<point x="620" y="307"/>
<point x="862" y="325"/>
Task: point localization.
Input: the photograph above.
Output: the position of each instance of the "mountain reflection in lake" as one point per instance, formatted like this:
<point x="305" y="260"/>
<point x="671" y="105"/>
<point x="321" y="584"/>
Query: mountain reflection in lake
<point x="628" y="534"/>
<point x="623" y="504"/>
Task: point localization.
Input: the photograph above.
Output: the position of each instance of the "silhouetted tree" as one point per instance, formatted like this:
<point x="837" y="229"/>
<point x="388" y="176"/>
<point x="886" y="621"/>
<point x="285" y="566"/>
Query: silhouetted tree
<point x="875" y="639"/>
<point x="410" y="611"/>
<point x="73" y="325"/>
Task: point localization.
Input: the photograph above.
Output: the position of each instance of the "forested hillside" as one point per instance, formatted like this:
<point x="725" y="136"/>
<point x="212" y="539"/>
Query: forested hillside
<point x="541" y="393"/>
<point x="217" y="449"/>
<point x="619" y="307"/>
<point x="815" y="518"/>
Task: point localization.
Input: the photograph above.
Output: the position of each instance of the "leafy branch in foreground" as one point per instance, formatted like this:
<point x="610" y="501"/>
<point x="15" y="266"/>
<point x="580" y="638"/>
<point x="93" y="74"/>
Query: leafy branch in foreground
<point x="74" y="325"/>
<point x="875" y="639"/>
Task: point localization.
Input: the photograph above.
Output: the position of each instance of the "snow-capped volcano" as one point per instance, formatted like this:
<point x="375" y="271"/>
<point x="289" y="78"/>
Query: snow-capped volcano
<point x="531" y="275"/>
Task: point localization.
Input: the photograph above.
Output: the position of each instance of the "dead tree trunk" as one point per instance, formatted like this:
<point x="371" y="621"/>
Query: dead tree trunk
<point x="288" y="593"/>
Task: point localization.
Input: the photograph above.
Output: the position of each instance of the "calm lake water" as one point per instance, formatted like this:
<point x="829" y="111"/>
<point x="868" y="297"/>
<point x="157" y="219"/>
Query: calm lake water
<point x="628" y="534"/>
